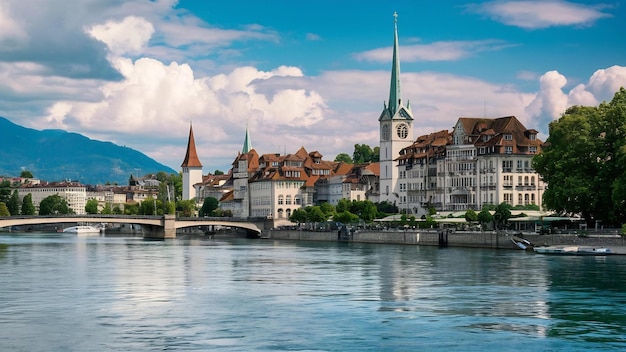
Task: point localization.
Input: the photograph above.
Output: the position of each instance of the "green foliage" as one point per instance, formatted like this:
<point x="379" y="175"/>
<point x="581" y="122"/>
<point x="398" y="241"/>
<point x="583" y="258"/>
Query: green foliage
<point x="470" y="215"/>
<point x="298" y="216"/>
<point x="363" y="153"/>
<point x="623" y="233"/>
<point x="54" y="204"/>
<point x="328" y="209"/>
<point x="26" y="174"/>
<point x="28" y="208"/>
<point x="187" y="208"/>
<point x="343" y="158"/>
<point x="484" y="217"/>
<point x="208" y="206"/>
<point x="345" y="217"/>
<point x="131" y="209"/>
<point x="342" y="205"/>
<point x="526" y="207"/>
<point x="315" y="214"/>
<point x="385" y="208"/>
<point x="584" y="162"/>
<point x="502" y="215"/>
<point x="14" y="203"/>
<point x="4" y="211"/>
<point x="218" y="172"/>
<point x="5" y="191"/>
<point x="91" y="207"/>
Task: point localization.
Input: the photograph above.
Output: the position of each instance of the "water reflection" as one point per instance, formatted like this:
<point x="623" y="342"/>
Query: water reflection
<point x="118" y="294"/>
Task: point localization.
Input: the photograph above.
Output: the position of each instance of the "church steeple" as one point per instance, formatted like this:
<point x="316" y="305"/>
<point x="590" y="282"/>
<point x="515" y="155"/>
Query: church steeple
<point x="247" y="143"/>
<point x="191" y="158"/>
<point x="395" y="95"/>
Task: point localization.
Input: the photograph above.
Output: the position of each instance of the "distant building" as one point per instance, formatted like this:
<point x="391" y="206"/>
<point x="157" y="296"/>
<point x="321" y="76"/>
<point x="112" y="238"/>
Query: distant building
<point x="74" y="194"/>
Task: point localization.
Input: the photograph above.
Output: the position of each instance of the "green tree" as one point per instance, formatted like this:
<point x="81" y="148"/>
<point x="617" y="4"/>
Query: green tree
<point x="584" y="162"/>
<point x="218" y="172"/>
<point x="91" y="207"/>
<point x="187" y="208"/>
<point x="54" y="204"/>
<point x="364" y="209"/>
<point x="28" y="208"/>
<point x="363" y="153"/>
<point x="501" y="215"/>
<point x="328" y="209"/>
<point x="343" y="158"/>
<point x="148" y="206"/>
<point x="484" y="217"/>
<point x="5" y="191"/>
<point x="14" y="203"/>
<point x="298" y="216"/>
<point x="345" y="217"/>
<point x="342" y="205"/>
<point x="4" y="211"/>
<point x="131" y="209"/>
<point x="315" y="214"/>
<point x="208" y="206"/>
<point x="26" y="174"/>
<point x="470" y="215"/>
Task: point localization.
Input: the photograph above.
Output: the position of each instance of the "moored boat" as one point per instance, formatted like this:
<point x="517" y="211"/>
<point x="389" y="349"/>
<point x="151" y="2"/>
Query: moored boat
<point x="82" y="229"/>
<point x="573" y="250"/>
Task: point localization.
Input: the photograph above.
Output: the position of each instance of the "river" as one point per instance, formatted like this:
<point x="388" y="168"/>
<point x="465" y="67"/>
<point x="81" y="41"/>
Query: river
<point x="62" y="292"/>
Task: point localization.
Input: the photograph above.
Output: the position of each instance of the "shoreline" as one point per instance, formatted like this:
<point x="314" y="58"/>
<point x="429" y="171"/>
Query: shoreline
<point x="468" y="239"/>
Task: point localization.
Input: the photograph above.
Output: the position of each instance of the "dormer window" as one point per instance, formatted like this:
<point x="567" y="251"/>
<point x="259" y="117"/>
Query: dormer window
<point x="533" y="137"/>
<point x="508" y="137"/>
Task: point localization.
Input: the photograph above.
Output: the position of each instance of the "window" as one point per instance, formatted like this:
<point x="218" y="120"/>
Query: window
<point x="532" y="149"/>
<point x="288" y="201"/>
<point x="280" y="200"/>
<point x="508" y="150"/>
<point x="508" y="137"/>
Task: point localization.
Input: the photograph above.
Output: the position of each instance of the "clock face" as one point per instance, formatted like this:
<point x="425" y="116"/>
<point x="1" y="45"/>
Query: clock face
<point x="402" y="130"/>
<point x="385" y="134"/>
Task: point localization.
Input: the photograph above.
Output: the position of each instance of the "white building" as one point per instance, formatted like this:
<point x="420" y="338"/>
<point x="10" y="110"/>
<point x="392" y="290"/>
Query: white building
<point x="74" y="194"/>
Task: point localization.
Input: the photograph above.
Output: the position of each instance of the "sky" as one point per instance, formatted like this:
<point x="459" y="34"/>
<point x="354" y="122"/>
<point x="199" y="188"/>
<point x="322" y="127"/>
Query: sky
<point x="312" y="74"/>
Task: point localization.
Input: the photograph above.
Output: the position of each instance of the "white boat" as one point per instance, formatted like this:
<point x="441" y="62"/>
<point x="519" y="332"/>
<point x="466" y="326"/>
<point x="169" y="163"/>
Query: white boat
<point x="81" y="229"/>
<point x="573" y="250"/>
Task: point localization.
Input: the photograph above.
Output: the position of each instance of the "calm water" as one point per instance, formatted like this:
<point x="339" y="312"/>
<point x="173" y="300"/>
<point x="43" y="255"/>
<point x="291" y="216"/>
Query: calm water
<point x="61" y="292"/>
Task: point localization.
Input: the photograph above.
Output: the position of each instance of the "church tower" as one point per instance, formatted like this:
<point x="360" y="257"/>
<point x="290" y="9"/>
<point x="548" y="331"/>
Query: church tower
<point x="192" y="168"/>
<point x="396" y="130"/>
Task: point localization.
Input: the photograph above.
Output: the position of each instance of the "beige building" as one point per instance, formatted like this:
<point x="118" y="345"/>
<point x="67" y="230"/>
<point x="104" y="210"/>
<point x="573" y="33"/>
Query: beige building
<point x="74" y="194"/>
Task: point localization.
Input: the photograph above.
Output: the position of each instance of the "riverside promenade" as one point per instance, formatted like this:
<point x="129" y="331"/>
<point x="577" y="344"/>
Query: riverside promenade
<point x="487" y="239"/>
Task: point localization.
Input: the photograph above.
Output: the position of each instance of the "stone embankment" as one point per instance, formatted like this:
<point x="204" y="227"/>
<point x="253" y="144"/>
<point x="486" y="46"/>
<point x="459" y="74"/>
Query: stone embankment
<point x="487" y="239"/>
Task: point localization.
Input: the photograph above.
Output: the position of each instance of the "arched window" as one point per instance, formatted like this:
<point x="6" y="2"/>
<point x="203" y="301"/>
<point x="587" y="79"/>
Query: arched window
<point x="526" y="199"/>
<point x="281" y="200"/>
<point x="280" y="213"/>
<point x="288" y="200"/>
<point x="526" y="181"/>
<point x="520" y="199"/>
<point x="532" y="181"/>
<point x="296" y="200"/>
<point x="288" y="213"/>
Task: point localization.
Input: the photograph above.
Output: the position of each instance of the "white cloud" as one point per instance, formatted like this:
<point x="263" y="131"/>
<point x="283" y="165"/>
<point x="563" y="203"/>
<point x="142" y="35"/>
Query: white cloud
<point x="437" y="51"/>
<point x="551" y="101"/>
<point x="533" y="14"/>
<point x="129" y="36"/>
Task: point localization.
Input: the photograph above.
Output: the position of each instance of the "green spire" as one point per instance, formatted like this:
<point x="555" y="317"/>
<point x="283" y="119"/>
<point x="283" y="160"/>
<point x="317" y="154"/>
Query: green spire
<point x="247" y="143"/>
<point x="394" y="92"/>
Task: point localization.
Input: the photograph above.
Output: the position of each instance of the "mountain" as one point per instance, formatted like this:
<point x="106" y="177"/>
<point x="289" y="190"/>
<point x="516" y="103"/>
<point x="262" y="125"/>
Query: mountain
<point x="56" y="155"/>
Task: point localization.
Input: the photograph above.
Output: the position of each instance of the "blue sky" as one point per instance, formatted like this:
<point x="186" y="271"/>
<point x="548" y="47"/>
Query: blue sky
<point x="296" y="73"/>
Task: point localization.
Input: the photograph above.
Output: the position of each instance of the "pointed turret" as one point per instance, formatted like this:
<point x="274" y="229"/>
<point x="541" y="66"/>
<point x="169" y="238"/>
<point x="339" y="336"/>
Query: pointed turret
<point x="191" y="158"/>
<point x="395" y="96"/>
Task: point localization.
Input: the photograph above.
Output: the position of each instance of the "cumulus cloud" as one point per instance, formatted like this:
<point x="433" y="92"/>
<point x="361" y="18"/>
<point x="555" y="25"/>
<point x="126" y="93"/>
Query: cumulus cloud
<point x="437" y="51"/>
<point x="11" y="33"/>
<point x="551" y="101"/>
<point x="534" y="14"/>
<point x="129" y="36"/>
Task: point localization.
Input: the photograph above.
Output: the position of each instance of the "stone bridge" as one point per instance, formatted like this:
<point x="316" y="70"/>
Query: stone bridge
<point x="159" y="227"/>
